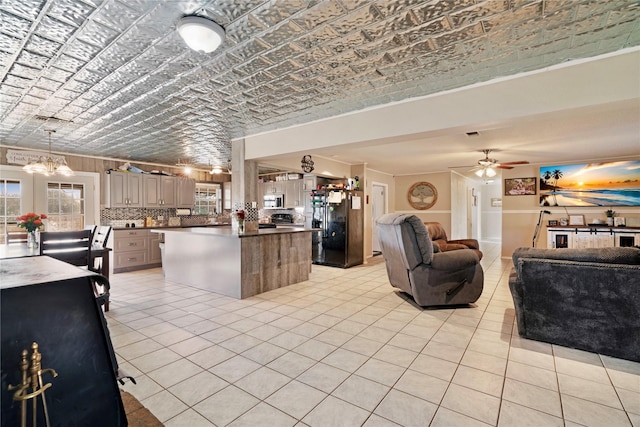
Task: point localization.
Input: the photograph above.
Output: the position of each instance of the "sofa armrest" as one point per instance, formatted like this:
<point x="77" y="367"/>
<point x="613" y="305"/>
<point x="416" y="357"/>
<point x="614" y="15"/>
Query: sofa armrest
<point x="454" y="260"/>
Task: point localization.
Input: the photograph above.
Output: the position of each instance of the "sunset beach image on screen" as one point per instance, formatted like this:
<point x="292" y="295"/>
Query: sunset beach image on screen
<point x="591" y="184"/>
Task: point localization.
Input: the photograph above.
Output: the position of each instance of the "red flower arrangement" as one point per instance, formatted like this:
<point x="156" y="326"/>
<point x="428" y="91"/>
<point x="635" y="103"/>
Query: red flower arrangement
<point x="31" y="221"/>
<point x="240" y="214"/>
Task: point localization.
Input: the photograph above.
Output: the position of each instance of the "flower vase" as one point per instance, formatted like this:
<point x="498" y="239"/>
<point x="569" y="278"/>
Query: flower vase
<point x="31" y="239"/>
<point x="610" y="221"/>
<point x="240" y="227"/>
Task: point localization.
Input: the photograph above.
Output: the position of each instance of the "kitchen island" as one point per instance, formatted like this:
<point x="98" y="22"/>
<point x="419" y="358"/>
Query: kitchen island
<point x="236" y="265"/>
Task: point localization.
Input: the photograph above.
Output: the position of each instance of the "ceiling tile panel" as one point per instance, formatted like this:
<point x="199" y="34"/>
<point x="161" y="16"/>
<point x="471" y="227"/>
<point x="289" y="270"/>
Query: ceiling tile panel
<point x="321" y="12"/>
<point x="55" y="29"/>
<point x="29" y="9"/>
<point x="70" y="11"/>
<point x="42" y="46"/>
<point x="97" y="34"/>
<point x="9" y="44"/>
<point x="14" y="26"/>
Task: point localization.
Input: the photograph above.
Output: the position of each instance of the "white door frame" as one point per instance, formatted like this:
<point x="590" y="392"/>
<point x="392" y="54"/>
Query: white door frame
<point x="375" y="245"/>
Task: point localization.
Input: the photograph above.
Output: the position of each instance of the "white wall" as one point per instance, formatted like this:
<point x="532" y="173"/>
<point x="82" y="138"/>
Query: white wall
<point x="491" y="216"/>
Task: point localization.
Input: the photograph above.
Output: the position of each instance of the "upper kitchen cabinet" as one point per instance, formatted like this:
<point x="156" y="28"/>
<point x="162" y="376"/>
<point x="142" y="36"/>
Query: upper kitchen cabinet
<point x="186" y="193"/>
<point x="160" y="191"/>
<point x="293" y="196"/>
<point x="124" y="190"/>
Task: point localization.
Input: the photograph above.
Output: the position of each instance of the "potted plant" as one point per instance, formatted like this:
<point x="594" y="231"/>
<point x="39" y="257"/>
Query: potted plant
<point x="610" y="214"/>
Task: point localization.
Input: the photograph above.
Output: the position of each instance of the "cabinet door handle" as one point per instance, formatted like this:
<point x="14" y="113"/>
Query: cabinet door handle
<point x="133" y="244"/>
<point x="132" y="259"/>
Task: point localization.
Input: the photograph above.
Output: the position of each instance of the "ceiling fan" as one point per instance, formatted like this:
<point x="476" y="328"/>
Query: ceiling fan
<point x="487" y="167"/>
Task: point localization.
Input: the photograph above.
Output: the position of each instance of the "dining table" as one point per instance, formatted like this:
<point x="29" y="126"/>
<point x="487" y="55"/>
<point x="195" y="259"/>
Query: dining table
<point x="21" y="250"/>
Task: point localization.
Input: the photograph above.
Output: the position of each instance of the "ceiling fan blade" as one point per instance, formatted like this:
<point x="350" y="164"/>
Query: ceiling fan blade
<point x="521" y="162"/>
<point x="503" y="166"/>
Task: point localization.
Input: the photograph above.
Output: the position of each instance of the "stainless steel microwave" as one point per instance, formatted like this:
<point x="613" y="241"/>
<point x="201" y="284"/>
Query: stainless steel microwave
<point x="273" y="201"/>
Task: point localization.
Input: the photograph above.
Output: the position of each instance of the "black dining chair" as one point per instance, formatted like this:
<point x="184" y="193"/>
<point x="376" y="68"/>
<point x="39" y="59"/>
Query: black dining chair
<point x="74" y="247"/>
<point x="15" y="237"/>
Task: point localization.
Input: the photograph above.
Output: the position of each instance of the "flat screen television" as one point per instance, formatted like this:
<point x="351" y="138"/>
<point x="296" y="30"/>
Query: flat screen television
<point x="591" y="184"/>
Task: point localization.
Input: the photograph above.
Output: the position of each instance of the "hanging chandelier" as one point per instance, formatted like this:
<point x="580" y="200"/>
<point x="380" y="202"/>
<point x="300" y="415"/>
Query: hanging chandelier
<point x="49" y="166"/>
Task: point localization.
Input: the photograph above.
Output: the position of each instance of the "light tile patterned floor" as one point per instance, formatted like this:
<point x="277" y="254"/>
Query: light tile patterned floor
<point x="344" y="349"/>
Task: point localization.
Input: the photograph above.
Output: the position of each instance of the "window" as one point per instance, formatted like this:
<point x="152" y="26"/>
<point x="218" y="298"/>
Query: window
<point x="10" y="206"/>
<point x="65" y="206"/>
<point x="207" y="201"/>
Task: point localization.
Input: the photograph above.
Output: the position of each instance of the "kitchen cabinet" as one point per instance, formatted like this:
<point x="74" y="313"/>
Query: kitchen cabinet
<point x="155" y="256"/>
<point x="293" y="196"/>
<point x="160" y="191"/>
<point x="274" y="187"/>
<point x="124" y="190"/>
<point x="135" y="249"/>
<point x="185" y="192"/>
<point x="129" y="249"/>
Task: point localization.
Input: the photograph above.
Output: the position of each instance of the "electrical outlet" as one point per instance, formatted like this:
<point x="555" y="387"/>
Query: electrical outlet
<point x="254" y="205"/>
<point x="160" y="217"/>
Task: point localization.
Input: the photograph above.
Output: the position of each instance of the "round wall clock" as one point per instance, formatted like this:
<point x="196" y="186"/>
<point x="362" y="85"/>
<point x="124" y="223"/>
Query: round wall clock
<point x="422" y="195"/>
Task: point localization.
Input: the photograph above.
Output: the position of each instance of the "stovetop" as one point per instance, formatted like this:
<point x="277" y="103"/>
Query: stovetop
<point x="282" y="218"/>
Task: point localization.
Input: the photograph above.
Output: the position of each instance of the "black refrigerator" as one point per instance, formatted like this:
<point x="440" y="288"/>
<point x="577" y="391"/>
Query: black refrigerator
<point x="339" y="216"/>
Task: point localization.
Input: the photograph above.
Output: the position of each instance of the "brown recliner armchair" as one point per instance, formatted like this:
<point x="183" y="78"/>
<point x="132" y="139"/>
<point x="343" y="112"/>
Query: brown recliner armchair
<point x="433" y="278"/>
<point x="439" y="237"/>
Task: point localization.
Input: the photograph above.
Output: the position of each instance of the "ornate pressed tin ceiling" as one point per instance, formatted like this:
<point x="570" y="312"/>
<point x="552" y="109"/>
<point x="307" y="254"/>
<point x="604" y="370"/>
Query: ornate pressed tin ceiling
<point x="119" y="82"/>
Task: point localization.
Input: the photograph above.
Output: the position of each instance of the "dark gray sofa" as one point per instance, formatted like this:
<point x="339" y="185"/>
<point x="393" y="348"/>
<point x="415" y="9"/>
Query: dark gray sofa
<point x="416" y="266"/>
<point x="587" y="299"/>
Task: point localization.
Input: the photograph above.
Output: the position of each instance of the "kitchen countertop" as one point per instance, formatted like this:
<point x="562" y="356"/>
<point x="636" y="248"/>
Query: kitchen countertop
<point x="229" y="232"/>
<point x="170" y="226"/>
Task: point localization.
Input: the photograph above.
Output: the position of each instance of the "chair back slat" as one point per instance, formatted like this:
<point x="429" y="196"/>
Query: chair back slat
<point x="16" y="237"/>
<point x="101" y="235"/>
<point x="73" y="247"/>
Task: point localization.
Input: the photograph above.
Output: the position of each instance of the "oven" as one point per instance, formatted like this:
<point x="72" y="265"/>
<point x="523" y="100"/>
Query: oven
<point x="273" y="201"/>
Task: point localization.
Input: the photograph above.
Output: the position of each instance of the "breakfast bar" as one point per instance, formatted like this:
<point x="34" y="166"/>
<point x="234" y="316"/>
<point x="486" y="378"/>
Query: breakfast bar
<point x="236" y="265"/>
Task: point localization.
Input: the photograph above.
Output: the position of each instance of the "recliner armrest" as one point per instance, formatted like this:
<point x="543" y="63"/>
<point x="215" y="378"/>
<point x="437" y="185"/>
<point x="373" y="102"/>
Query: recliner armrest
<point x="454" y="260"/>
<point x="470" y="243"/>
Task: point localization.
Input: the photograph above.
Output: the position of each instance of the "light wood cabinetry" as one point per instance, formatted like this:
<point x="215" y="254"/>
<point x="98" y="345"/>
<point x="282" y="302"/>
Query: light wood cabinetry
<point x="293" y="194"/>
<point x="124" y="190"/>
<point x="135" y="249"/>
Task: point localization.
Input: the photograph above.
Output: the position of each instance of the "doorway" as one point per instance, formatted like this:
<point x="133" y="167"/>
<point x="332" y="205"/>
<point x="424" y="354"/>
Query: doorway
<point x="378" y="208"/>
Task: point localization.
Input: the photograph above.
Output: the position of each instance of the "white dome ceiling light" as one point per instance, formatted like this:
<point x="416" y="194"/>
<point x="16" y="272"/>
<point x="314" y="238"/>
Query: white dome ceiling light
<point x="200" y="34"/>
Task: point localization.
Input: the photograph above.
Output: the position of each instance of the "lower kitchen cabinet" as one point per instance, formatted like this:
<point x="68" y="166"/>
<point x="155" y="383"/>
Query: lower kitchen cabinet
<point x="135" y="249"/>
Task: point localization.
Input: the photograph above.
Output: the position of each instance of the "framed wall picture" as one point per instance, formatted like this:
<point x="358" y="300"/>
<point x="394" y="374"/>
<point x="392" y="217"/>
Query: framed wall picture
<point x="520" y="186"/>
<point x="576" y="219"/>
<point x="619" y="221"/>
<point x="422" y="195"/>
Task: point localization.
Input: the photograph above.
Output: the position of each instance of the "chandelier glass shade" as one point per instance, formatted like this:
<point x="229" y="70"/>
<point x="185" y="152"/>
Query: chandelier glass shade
<point x="200" y="34"/>
<point x="48" y="166"/>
